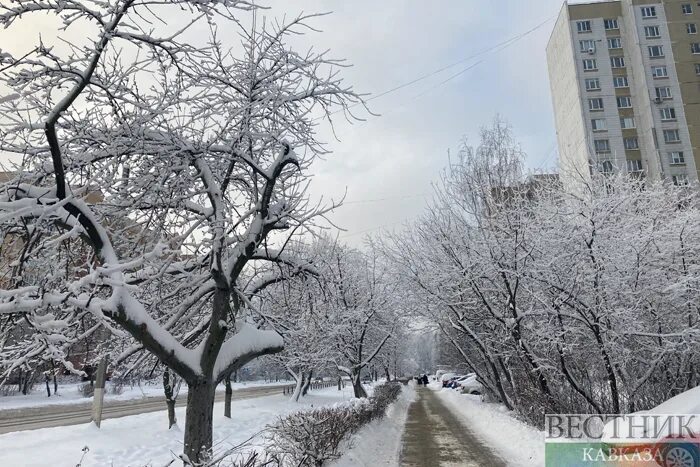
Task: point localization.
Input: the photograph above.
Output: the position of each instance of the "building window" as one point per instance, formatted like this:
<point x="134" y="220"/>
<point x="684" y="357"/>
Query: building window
<point x="663" y="92"/>
<point x="631" y="143"/>
<point x="680" y="180"/>
<point x="659" y="71"/>
<point x="656" y="51"/>
<point x="695" y="47"/>
<point x="592" y="84"/>
<point x="697" y="68"/>
<point x="672" y="136"/>
<point x="583" y="26"/>
<point x="652" y="32"/>
<point x="611" y="24"/>
<point x="589" y="64"/>
<point x="624" y="102"/>
<point x="648" y="12"/>
<point x="676" y="157"/>
<point x="587" y="46"/>
<point x="617" y="62"/>
<point x="614" y="43"/>
<point x="602" y="146"/>
<point x="692" y="28"/>
<point x="598" y="124"/>
<point x="620" y="82"/>
<point x="634" y="165"/>
<point x="606" y="167"/>
<point x="687" y="9"/>
<point x="668" y="113"/>
<point x="595" y="104"/>
<point x="627" y="122"/>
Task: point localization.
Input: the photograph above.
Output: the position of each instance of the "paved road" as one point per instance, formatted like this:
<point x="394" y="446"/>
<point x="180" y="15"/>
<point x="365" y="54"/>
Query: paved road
<point x="436" y="437"/>
<point x="73" y="414"/>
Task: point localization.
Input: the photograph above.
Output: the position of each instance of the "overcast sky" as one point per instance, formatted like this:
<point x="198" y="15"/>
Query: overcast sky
<point x="387" y="163"/>
<point x="394" y="158"/>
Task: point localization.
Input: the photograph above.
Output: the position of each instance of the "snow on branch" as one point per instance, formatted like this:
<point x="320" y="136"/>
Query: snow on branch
<point x="246" y="344"/>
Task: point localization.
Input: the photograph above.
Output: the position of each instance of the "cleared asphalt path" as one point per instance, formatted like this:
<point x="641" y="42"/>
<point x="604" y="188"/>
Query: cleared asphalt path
<point x="435" y="437"/>
<point x="74" y="414"/>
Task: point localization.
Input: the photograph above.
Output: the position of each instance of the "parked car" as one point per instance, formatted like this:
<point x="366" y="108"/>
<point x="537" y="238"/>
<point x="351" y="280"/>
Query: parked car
<point x="445" y="378"/>
<point x="440" y="373"/>
<point x="455" y="382"/>
<point x="471" y="385"/>
<point x="670" y="446"/>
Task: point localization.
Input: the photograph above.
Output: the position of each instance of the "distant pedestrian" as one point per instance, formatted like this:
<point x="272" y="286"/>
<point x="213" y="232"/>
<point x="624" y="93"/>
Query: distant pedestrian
<point x="425" y="380"/>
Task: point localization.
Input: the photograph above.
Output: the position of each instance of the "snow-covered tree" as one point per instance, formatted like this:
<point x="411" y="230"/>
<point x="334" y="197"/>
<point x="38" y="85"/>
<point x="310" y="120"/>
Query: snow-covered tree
<point x="557" y="302"/>
<point x="200" y="154"/>
<point x="359" y="301"/>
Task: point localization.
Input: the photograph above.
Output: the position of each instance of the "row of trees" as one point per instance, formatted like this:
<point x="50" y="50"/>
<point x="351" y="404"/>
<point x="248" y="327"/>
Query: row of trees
<point x="160" y="183"/>
<point x="337" y="322"/>
<point x="559" y="302"/>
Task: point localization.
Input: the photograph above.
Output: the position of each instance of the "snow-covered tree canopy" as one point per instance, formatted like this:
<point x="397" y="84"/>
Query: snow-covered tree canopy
<point x="338" y="320"/>
<point x="559" y="303"/>
<point x="172" y="162"/>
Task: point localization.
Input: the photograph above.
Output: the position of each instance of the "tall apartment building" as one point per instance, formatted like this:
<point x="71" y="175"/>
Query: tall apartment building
<point x="625" y="82"/>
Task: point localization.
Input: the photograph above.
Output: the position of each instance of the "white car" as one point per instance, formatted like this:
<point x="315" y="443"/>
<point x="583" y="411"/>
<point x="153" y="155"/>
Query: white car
<point x="446" y="377"/>
<point x="439" y="373"/>
<point x="471" y="385"/>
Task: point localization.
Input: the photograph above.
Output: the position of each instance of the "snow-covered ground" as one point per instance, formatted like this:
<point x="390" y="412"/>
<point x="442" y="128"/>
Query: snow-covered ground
<point x="144" y="440"/>
<point x="379" y="443"/>
<point x="70" y="394"/>
<point x="519" y="444"/>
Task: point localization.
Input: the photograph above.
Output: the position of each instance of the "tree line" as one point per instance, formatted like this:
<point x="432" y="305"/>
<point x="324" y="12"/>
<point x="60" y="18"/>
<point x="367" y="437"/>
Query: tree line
<point x="566" y="301"/>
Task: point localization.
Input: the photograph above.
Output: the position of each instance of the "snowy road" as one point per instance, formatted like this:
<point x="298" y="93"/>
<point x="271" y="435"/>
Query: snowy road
<point x="434" y="436"/>
<point x="74" y="414"/>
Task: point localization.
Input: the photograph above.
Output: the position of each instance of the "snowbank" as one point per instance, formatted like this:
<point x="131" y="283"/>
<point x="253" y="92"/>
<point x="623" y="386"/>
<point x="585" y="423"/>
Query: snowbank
<point x="518" y="443"/>
<point x="144" y="439"/>
<point x="379" y="443"/>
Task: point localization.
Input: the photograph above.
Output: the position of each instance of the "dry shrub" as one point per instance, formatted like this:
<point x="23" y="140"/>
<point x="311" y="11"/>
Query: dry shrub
<point x="312" y="438"/>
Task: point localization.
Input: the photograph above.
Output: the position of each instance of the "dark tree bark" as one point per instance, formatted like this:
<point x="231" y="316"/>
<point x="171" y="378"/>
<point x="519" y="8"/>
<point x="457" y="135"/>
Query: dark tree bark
<point x="170" y="397"/>
<point x="198" y="421"/>
<point x="229" y="394"/>
<point x="358" y="389"/>
<point x="307" y="383"/>
<point x="53" y="372"/>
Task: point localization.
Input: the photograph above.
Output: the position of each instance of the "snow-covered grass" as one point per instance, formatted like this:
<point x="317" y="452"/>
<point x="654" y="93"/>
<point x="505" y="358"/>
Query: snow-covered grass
<point x="379" y="443"/>
<point x="144" y="440"/>
<point x="70" y="394"/>
<point x="519" y="444"/>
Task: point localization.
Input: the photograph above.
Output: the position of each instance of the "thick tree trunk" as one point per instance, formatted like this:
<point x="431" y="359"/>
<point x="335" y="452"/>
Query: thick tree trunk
<point x="357" y="388"/>
<point x="198" y="421"/>
<point x="307" y="384"/>
<point x="387" y="374"/>
<point x="227" y="397"/>
<point x="299" y="379"/>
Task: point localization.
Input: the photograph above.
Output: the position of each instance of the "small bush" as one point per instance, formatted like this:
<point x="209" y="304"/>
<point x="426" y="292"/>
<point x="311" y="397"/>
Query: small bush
<point x="87" y="390"/>
<point x="312" y="438"/>
<point x="117" y="386"/>
<point x="8" y="390"/>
